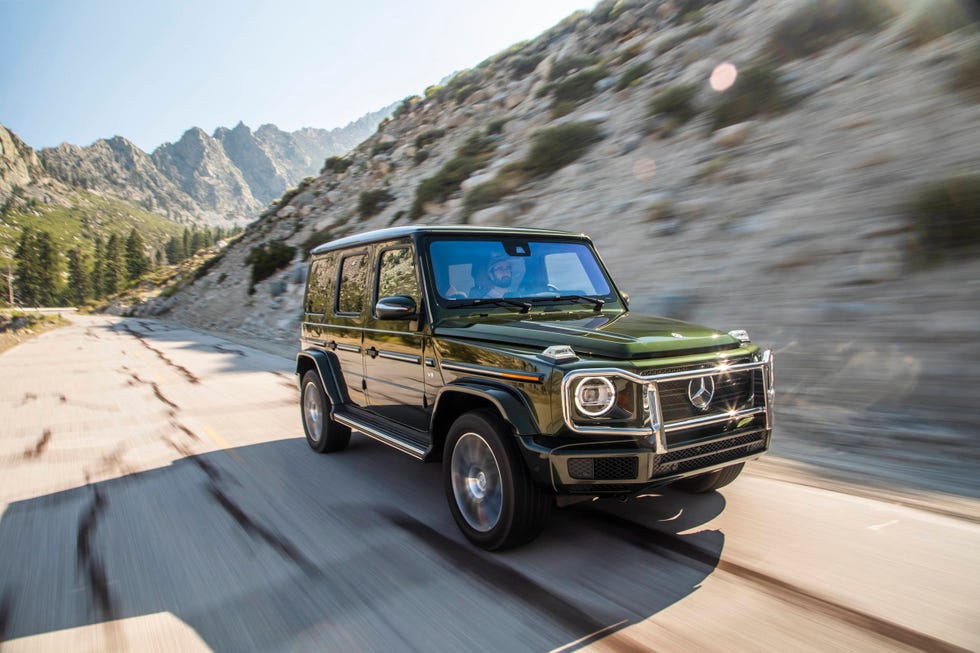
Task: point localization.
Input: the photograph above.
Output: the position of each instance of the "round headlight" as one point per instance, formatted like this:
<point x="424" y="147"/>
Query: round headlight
<point x="595" y="396"/>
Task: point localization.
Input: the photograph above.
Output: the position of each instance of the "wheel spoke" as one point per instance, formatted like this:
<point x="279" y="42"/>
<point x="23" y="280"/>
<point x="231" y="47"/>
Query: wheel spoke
<point x="313" y="412"/>
<point x="476" y="482"/>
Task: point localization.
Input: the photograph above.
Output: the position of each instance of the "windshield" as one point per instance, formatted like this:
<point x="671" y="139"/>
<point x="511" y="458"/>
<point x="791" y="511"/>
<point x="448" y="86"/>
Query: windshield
<point x="510" y="267"/>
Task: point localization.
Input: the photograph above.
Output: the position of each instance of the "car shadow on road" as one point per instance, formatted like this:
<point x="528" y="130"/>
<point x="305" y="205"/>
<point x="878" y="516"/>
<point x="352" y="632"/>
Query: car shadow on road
<point x="270" y="546"/>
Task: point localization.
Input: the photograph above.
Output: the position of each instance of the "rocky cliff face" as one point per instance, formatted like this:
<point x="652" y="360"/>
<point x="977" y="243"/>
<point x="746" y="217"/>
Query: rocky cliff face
<point x="118" y="168"/>
<point x="261" y="169"/>
<point x="734" y="168"/>
<point x="19" y="164"/>
<point x="199" y="166"/>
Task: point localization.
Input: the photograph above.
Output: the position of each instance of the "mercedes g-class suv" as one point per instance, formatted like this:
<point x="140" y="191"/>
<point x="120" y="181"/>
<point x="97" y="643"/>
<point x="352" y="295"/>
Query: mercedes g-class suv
<point x="510" y="356"/>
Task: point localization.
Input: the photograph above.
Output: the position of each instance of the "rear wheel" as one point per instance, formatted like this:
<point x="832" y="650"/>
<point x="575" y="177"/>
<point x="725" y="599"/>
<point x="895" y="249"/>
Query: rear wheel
<point x="490" y="493"/>
<point x="322" y="434"/>
<point x="710" y="481"/>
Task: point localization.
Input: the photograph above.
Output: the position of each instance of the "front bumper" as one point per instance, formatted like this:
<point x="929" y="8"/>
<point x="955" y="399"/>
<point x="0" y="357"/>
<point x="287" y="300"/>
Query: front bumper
<point x="600" y="460"/>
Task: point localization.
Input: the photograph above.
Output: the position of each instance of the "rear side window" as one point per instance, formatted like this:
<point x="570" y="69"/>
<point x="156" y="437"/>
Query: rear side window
<point x="321" y="285"/>
<point x="352" y="289"/>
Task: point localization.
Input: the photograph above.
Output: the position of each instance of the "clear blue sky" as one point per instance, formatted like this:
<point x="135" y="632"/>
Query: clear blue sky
<point x="80" y="70"/>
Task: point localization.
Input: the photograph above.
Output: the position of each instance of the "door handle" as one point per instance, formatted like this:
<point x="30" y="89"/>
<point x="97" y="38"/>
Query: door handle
<point x="372" y="352"/>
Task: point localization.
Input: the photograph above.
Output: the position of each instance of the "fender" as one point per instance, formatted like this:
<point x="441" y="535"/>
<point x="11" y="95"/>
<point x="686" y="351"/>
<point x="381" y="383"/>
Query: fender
<point x="328" y="367"/>
<point x="514" y="408"/>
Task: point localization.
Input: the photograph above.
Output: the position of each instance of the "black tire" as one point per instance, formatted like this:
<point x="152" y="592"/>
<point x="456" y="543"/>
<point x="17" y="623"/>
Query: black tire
<point x="710" y="481"/>
<point x="512" y="509"/>
<point x="322" y="434"/>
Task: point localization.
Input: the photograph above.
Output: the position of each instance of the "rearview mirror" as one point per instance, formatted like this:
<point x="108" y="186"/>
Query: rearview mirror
<point x="396" y="307"/>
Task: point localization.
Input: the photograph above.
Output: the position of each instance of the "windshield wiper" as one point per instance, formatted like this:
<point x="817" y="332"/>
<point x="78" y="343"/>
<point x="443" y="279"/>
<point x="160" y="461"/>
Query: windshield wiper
<point x="524" y="306"/>
<point x="597" y="303"/>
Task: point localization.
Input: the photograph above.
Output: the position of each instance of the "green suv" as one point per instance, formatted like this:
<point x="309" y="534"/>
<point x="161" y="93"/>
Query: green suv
<point x="510" y="356"/>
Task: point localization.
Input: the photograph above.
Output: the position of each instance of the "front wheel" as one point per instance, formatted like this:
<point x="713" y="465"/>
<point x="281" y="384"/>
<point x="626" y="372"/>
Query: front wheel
<point x="322" y="434"/>
<point x="710" y="481"/>
<point x="490" y="493"/>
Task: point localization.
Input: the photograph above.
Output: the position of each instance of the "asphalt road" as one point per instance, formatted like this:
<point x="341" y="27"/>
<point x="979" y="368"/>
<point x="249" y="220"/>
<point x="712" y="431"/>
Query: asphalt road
<point x="157" y="494"/>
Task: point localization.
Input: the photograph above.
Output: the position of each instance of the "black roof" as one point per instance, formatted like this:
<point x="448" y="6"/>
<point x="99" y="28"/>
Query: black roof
<point x="392" y="233"/>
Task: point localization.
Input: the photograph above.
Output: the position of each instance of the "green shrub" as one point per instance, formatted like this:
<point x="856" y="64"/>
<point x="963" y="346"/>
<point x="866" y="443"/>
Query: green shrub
<point x="524" y="65"/>
<point x="407" y="106"/>
<point x="757" y="90"/>
<point x="428" y="137"/>
<point x="555" y="147"/>
<point x="632" y="75"/>
<point x="470" y="157"/>
<point x="818" y="24"/>
<point x="571" y="64"/>
<point x="702" y="28"/>
<point x="381" y="148"/>
<point x="336" y="164"/>
<point x="630" y="53"/>
<point x="496" y="126"/>
<point x="935" y="18"/>
<point x="946" y="217"/>
<point x="267" y="259"/>
<point x="373" y="201"/>
<point x="420" y="156"/>
<point x="487" y="194"/>
<point x="676" y="102"/>
<point x="574" y="90"/>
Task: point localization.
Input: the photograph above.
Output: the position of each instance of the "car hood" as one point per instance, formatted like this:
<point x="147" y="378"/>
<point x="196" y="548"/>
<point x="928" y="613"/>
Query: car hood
<point x="623" y="337"/>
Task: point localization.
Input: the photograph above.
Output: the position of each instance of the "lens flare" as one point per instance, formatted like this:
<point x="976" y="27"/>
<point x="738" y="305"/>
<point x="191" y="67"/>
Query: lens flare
<point x="723" y="76"/>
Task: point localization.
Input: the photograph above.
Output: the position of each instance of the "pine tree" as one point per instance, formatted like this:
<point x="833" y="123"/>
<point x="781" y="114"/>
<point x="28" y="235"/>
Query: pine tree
<point x="197" y="242"/>
<point x="137" y="262"/>
<point x="172" y="250"/>
<point x="114" y="274"/>
<point x="98" y="269"/>
<point x="38" y="268"/>
<point x="186" y="248"/>
<point x="51" y="270"/>
<point x="28" y="268"/>
<point x="79" y="286"/>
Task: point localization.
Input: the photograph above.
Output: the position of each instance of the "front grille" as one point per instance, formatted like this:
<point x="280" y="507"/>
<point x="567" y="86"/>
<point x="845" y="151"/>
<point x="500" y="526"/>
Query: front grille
<point x="707" y="455"/>
<point x="732" y="392"/>
<point x="607" y="488"/>
<point x="604" y="469"/>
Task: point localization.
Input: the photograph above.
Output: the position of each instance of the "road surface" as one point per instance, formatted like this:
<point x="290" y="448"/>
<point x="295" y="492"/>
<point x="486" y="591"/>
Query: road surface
<point x="157" y="494"/>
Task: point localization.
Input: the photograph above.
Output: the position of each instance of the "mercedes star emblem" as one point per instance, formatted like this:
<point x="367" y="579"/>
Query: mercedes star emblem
<point x="701" y="391"/>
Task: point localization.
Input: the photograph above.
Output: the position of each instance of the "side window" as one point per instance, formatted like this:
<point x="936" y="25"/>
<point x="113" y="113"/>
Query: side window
<point x="352" y="290"/>
<point x="396" y="274"/>
<point x="321" y="284"/>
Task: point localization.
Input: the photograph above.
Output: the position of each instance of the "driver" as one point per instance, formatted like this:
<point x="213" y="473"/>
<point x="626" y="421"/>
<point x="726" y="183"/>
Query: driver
<point x="500" y="275"/>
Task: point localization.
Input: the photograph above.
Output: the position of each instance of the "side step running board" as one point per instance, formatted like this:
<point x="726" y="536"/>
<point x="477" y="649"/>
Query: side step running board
<point x="384" y="437"/>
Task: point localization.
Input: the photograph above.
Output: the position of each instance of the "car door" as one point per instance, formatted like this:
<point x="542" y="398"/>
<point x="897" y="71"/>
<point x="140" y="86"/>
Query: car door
<point x="393" y="360"/>
<point x="346" y="330"/>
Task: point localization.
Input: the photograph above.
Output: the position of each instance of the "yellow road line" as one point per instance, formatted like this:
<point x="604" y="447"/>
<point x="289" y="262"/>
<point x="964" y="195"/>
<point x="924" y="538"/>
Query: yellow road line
<point x="224" y="444"/>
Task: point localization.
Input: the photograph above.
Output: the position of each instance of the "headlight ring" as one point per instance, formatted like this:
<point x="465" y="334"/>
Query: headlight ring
<point x="595" y="396"/>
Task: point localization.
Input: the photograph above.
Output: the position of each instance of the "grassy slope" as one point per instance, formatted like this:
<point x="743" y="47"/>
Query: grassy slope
<point x="88" y="216"/>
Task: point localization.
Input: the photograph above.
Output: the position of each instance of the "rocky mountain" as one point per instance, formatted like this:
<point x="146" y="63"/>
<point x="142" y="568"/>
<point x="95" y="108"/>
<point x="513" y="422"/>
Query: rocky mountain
<point x="806" y="170"/>
<point x="227" y="177"/>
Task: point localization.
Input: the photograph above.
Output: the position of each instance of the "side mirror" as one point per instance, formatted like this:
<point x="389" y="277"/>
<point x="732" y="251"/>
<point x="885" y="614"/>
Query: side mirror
<point x="396" y="307"/>
<point x="626" y="298"/>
